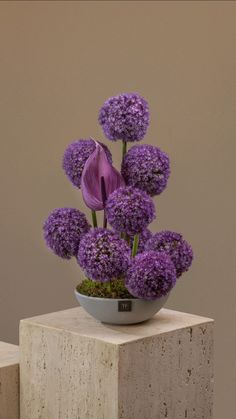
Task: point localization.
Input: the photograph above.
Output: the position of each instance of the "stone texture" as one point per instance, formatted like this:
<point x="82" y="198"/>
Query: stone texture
<point x="73" y="367"/>
<point x="9" y="381"/>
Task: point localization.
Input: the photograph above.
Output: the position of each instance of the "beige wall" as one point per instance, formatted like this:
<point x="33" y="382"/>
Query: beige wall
<point x="58" y="62"/>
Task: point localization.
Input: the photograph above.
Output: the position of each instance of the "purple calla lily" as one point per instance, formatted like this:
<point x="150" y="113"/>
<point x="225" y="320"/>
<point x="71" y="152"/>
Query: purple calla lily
<point x="99" y="179"/>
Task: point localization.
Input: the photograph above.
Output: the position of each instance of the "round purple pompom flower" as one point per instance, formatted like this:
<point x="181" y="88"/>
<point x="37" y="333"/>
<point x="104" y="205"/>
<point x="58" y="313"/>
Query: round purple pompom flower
<point x="63" y="230"/>
<point x="146" y="167"/>
<point x="175" y="246"/>
<point x="129" y="210"/>
<point x="103" y="255"/>
<point x="151" y="275"/>
<point x="125" y="117"/>
<point x="144" y="236"/>
<point x="75" y="157"/>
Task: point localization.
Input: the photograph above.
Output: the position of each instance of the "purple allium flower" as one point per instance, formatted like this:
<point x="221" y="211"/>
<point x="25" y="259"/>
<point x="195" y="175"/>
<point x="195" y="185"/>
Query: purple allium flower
<point x="146" y="167"/>
<point x="175" y="246"/>
<point x="125" y="117"/>
<point x="75" y="157"/>
<point x="63" y="230"/>
<point x="103" y="255"/>
<point x="151" y="275"/>
<point x="144" y="236"/>
<point x="130" y="210"/>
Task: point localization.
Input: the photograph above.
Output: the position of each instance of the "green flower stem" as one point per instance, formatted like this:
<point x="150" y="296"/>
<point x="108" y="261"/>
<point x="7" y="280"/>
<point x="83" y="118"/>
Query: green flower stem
<point x="104" y="220"/>
<point x="104" y="199"/>
<point x="135" y="245"/>
<point x="94" y="218"/>
<point x="127" y="238"/>
<point x="124" y="148"/>
<point x="109" y="286"/>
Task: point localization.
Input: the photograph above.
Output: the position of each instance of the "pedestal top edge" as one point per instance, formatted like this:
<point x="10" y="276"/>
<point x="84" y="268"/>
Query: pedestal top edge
<point x="9" y="354"/>
<point x="77" y="321"/>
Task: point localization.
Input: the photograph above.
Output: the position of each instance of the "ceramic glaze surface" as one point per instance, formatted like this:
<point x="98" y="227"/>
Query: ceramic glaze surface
<point x="120" y="311"/>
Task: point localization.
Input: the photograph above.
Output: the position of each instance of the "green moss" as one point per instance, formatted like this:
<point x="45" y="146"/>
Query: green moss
<point x="112" y="289"/>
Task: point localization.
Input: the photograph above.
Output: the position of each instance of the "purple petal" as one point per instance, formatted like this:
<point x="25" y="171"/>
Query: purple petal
<point x="96" y="167"/>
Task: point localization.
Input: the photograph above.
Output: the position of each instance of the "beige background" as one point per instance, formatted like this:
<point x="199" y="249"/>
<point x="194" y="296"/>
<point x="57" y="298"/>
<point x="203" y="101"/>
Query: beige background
<point x="58" y="62"/>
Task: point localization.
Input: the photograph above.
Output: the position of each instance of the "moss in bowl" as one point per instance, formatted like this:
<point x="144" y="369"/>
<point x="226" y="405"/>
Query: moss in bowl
<point x="111" y="289"/>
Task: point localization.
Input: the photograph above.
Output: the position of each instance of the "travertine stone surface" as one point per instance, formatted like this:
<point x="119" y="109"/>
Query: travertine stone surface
<point x="73" y="367"/>
<point x="9" y="381"/>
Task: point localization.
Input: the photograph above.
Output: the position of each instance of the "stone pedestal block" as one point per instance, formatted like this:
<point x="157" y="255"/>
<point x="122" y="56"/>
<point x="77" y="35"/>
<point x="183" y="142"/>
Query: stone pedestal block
<point x="9" y="381"/>
<point x="73" y="367"/>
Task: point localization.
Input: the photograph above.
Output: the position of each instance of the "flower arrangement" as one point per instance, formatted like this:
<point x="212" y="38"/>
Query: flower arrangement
<point x="122" y="258"/>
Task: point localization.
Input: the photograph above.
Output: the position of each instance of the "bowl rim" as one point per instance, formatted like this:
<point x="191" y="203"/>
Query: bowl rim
<point x="116" y="299"/>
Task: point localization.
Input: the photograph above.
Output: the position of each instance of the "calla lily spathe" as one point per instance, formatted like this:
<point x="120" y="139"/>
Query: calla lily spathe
<point x="99" y="176"/>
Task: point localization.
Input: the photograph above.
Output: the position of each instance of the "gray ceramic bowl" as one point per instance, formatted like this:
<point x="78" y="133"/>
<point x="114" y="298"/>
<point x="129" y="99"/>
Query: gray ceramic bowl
<point x="118" y="311"/>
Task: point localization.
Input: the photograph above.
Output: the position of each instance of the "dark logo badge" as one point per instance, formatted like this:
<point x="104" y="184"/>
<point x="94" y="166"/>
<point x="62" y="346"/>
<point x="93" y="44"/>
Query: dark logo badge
<point x="125" y="305"/>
